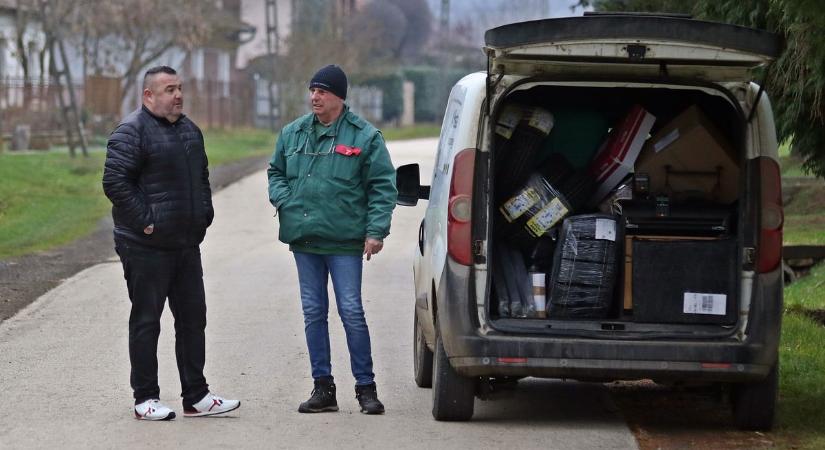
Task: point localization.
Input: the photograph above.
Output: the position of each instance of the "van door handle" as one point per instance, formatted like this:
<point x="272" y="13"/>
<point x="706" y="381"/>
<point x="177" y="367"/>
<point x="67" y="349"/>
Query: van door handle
<point x="421" y="237"/>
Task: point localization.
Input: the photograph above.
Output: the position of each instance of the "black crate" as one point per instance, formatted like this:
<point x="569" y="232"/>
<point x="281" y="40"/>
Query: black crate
<point x="665" y="270"/>
<point x="660" y="216"/>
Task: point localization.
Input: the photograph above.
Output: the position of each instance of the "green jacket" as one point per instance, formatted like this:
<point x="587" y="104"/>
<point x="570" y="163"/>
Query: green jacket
<point x="329" y="202"/>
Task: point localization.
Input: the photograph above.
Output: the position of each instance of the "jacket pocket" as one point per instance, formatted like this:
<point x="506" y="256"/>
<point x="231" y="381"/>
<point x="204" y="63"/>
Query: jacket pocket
<point x="346" y="168"/>
<point x="163" y="227"/>
<point x="293" y="162"/>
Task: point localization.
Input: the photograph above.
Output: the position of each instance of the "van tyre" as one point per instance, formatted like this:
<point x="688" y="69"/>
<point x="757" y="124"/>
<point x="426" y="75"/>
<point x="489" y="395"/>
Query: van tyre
<point x="754" y="404"/>
<point x="422" y="357"/>
<point x="453" y="395"/>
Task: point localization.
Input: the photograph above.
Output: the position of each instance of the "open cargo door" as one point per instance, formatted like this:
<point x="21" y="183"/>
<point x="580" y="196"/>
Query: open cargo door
<point x="641" y="46"/>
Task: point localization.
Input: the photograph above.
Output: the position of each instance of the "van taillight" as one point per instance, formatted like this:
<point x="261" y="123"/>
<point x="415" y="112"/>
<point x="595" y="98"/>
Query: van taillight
<point x="459" y="212"/>
<point x="772" y="216"/>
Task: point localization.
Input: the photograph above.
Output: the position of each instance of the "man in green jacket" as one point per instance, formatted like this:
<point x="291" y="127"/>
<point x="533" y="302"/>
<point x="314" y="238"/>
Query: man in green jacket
<point x="333" y="185"/>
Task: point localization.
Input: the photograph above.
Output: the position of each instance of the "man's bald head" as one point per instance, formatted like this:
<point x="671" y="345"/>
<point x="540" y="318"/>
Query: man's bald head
<point x="163" y="93"/>
<point x="152" y="73"/>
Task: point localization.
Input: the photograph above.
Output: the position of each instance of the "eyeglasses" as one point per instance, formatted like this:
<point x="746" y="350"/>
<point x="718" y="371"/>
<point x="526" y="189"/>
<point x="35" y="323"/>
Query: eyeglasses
<point x="305" y="150"/>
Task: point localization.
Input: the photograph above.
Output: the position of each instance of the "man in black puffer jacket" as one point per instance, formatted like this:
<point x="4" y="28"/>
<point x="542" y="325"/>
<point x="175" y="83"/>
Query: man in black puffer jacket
<point x="157" y="179"/>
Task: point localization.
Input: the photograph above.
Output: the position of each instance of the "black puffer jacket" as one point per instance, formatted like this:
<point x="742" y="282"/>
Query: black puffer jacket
<point x="156" y="173"/>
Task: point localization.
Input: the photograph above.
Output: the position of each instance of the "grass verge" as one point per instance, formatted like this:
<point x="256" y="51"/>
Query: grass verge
<point x="791" y="166"/>
<point x="48" y="199"/>
<point x="224" y="146"/>
<point x="802" y="363"/>
<point x="804" y="219"/>
<point x="413" y="132"/>
<point x="807" y="293"/>
<point x="801" y="391"/>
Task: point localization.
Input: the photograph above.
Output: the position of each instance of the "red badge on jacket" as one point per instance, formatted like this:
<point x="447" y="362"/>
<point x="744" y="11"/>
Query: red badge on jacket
<point x="346" y="150"/>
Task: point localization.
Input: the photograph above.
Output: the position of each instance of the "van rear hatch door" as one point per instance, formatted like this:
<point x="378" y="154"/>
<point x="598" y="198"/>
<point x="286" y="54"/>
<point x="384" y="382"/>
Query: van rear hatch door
<point x="611" y="46"/>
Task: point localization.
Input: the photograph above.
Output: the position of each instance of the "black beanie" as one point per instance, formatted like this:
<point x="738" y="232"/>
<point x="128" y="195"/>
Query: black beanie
<point x="330" y="78"/>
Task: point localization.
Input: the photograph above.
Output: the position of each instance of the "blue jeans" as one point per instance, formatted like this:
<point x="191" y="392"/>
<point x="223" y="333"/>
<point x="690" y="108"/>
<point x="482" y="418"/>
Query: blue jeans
<point x="346" y="282"/>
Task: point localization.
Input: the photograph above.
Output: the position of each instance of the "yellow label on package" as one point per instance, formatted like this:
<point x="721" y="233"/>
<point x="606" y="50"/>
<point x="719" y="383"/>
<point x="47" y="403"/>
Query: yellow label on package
<point x="507" y="121"/>
<point x="547" y="217"/>
<point x="504" y="131"/>
<point x="519" y="204"/>
<point x="541" y="120"/>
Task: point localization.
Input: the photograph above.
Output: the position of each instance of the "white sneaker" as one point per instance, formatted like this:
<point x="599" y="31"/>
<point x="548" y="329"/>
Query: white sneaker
<point x="210" y="405"/>
<point x="153" y="410"/>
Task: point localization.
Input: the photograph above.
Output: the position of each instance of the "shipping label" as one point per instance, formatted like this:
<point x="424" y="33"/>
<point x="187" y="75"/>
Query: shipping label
<point x="520" y="204"/>
<point x="541" y="120"/>
<point x="547" y="217"/>
<point x="666" y="140"/>
<point x="606" y="229"/>
<point x="507" y="121"/>
<point x="703" y="303"/>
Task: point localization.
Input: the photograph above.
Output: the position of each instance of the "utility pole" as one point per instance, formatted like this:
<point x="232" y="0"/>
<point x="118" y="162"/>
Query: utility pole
<point x="445" y="17"/>
<point x="273" y="49"/>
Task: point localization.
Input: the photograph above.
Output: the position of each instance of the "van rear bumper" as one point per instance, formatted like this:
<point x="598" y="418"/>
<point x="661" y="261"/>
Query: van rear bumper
<point x="474" y="350"/>
<point x="609" y="369"/>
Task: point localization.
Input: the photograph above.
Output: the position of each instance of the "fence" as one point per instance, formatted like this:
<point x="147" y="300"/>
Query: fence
<point x="291" y="101"/>
<point x="209" y="103"/>
<point x="219" y="104"/>
<point x="34" y="103"/>
<point x="212" y="103"/>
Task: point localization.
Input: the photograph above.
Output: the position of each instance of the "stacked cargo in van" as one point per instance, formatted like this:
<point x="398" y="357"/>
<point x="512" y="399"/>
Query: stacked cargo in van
<point x="605" y="205"/>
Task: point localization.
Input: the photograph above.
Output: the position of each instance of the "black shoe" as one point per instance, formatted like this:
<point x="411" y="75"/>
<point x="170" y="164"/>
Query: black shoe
<point x="368" y="399"/>
<point x="322" y="399"/>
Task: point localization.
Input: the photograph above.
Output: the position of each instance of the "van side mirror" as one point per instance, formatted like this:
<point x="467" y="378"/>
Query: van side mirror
<point x="408" y="185"/>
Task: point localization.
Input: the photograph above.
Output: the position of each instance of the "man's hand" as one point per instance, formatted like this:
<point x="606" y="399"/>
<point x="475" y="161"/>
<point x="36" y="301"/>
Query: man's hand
<point x="150" y="229"/>
<point x="372" y="246"/>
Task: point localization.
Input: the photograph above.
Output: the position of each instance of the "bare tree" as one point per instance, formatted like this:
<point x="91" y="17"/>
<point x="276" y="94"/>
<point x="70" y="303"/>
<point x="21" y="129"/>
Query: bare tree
<point x="377" y="31"/>
<point x="391" y="30"/>
<point x="418" y="27"/>
<point x="25" y="15"/>
<point x="122" y="37"/>
<point x="320" y="35"/>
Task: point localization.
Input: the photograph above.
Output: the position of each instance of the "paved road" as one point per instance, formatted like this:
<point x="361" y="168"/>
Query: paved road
<point x="64" y="363"/>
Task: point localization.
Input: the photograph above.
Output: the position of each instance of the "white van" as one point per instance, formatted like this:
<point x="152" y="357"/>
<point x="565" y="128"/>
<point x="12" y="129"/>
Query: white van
<point x="689" y="281"/>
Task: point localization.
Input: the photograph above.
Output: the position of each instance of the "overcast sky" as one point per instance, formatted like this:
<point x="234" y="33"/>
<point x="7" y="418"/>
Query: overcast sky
<point x="485" y="14"/>
<point x="526" y="9"/>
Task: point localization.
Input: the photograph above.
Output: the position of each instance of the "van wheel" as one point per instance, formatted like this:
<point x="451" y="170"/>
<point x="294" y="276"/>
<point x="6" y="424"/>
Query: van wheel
<point x="453" y="395"/>
<point x="754" y="404"/>
<point x="422" y="357"/>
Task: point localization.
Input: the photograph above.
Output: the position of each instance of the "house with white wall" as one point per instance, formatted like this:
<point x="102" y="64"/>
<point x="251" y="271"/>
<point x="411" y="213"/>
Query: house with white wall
<point x="210" y="68"/>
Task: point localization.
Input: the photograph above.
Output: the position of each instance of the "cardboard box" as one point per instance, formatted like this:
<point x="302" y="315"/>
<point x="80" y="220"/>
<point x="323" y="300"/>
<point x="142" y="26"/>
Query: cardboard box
<point x="615" y="160"/>
<point x="691" y="158"/>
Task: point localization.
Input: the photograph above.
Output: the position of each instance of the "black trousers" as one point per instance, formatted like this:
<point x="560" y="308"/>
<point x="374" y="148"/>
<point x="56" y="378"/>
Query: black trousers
<point x="152" y="275"/>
